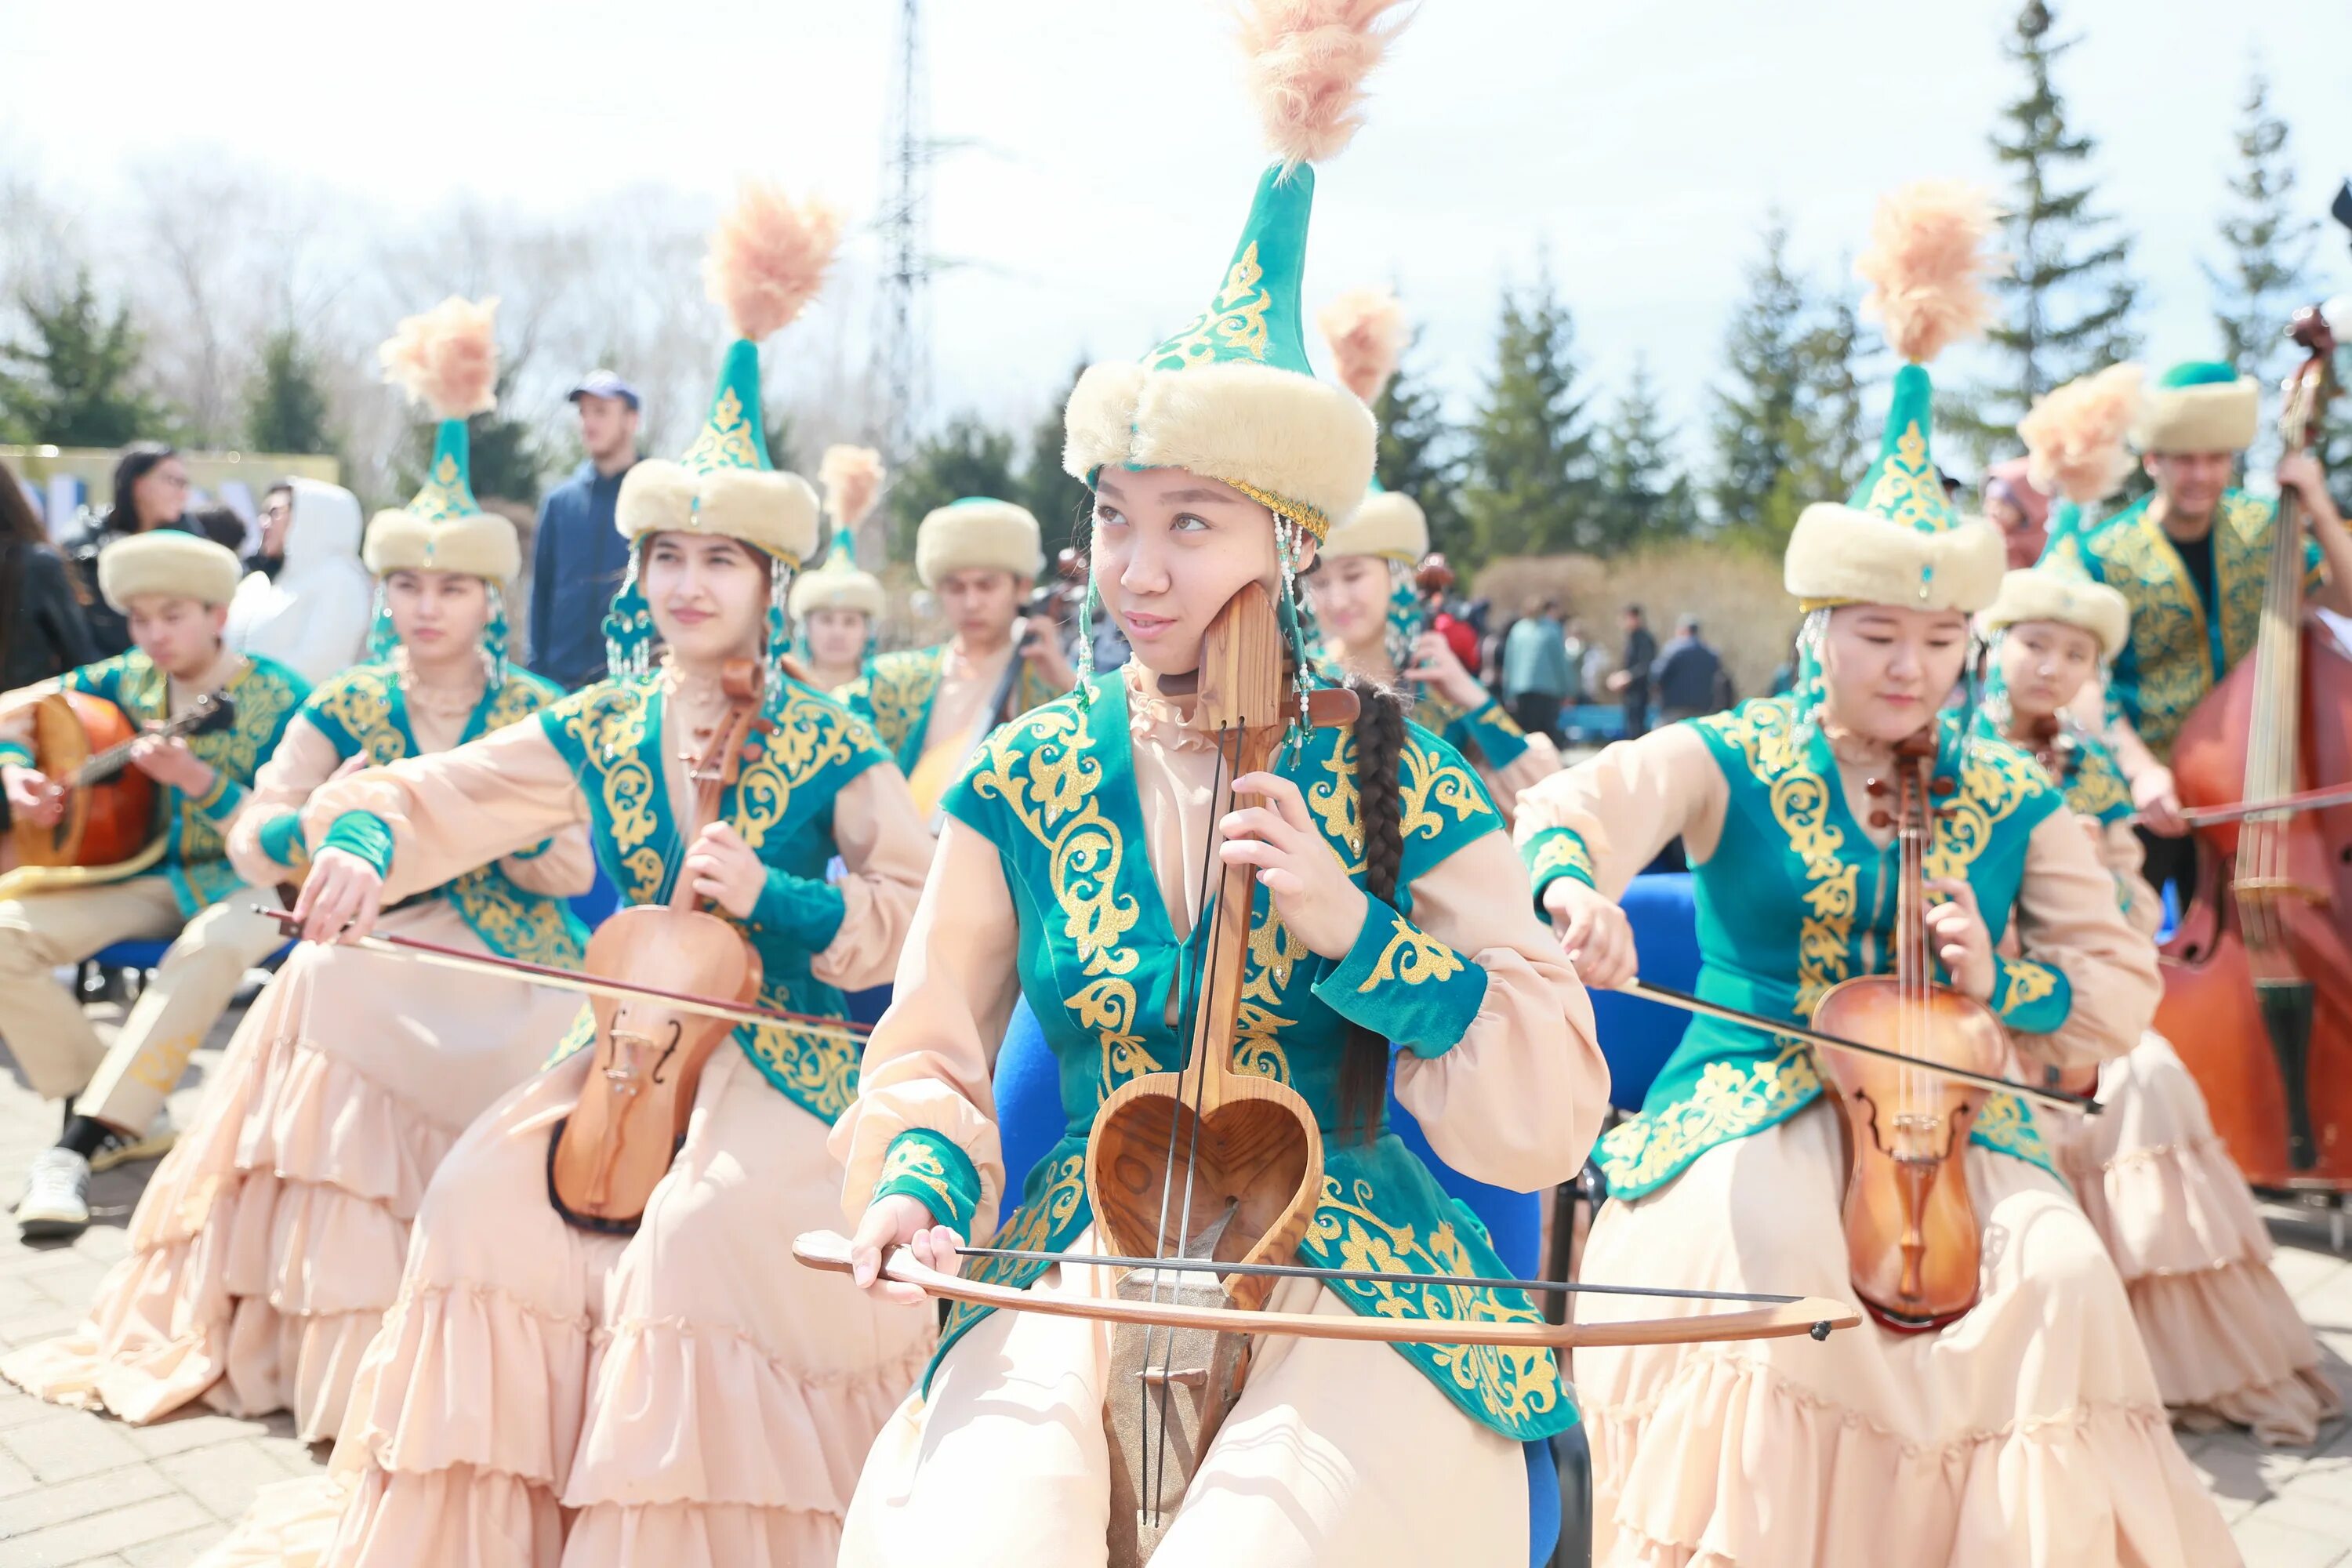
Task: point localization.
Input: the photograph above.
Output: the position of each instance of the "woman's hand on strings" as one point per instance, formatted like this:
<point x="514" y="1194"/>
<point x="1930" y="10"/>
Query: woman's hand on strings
<point x="1311" y="888"/>
<point x="169" y="762"/>
<point x="723" y="868"/>
<point x="1956" y="933"/>
<point x="341" y="897"/>
<point x="898" y="1220"/>
<point x="1594" y="934"/>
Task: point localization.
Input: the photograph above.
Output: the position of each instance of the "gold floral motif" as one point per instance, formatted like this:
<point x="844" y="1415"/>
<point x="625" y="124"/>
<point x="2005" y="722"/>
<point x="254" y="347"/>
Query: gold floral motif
<point x="2007" y="1125"/>
<point x="2028" y="982"/>
<point x="1799" y="797"/>
<point x="914" y="1160"/>
<point x="606" y="724"/>
<point x="1413" y="957"/>
<point x="1732" y="1099"/>
<point x="1995" y="778"/>
<point x="1042" y="768"/>
<point x="1235" y="323"/>
<point x="811" y="735"/>
<point x="1424" y="778"/>
<point x="443" y="496"/>
<point x="1909" y="491"/>
<point x="1559" y="850"/>
<point x="726" y="440"/>
<point x="898" y="692"/>
<point x="1035" y="1227"/>
<point x="2097" y="790"/>
<point x="1512" y="1384"/>
<point x="1275" y="953"/>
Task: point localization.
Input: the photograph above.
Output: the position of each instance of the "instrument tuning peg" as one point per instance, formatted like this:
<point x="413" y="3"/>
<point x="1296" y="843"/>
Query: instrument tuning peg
<point x="1881" y="819"/>
<point x="1941" y="787"/>
<point x="1875" y="785"/>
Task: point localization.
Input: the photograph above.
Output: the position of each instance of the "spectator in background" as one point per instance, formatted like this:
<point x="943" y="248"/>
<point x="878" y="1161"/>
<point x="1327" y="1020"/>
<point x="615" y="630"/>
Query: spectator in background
<point x="221" y="524"/>
<point x="42" y="632"/>
<point x="1535" y="673"/>
<point x="1631" y="681"/>
<point x="579" y="558"/>
<point x="1688" y="677"/>
<point x="151" y="491"/>
<point x="1573" y="643"/>
<point x="2021" y="513"/>
<point x="1592" y="670"/>
<point x="276" y="511"/>
<point x="312" y="613"/>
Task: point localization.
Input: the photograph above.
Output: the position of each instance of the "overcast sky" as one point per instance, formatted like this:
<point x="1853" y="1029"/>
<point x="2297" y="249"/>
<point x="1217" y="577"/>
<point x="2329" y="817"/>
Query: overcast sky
<point x="1109" y="151"/>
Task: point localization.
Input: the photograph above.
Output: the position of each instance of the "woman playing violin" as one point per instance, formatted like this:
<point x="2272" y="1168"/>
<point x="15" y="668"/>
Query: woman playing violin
<point x="683" y="1394"/>
<point x="1070" y="873"/>
<point x="2173" y="1210"/>
<point x="348" y="1080"/>
<point x="2026" y="1428"/>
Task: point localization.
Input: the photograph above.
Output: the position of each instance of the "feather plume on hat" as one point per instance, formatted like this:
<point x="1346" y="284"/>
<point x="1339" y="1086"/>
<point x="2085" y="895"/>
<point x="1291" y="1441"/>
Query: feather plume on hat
<point x="1366" y="330"/>
<point x="2076" y="435"/>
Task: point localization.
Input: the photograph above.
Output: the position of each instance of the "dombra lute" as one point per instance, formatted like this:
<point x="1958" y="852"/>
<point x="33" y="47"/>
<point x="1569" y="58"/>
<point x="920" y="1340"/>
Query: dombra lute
<point x="107" y="830"/>
<point x="1203" y="1180"/>
<point x="605" y="1160"/>
<point x="1912" y="1239"/>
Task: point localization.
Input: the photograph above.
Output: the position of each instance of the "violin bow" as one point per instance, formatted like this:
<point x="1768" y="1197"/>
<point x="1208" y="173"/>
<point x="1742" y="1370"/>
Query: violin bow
<point x="1766" y="1317"/>
<point x="587" y="985"/>
<point x="2300" y="800"/>
<point x="2059" y="1097"/>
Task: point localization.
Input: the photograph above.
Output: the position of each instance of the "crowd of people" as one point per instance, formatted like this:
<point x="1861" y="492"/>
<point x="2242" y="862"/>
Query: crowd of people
<point x="527" y="1258"/>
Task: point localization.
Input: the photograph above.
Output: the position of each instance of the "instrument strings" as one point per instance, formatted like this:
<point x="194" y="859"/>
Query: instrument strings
<point x="2271" y="763"/>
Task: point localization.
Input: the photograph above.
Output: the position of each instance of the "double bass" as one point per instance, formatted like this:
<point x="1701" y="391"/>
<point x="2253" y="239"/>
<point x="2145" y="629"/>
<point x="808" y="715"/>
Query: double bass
<point x="2258" y="977"/>
<point x="106" y="831"/>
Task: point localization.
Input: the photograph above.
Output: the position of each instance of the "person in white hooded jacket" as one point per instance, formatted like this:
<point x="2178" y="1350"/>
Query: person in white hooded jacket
<point x="313" y="614"/>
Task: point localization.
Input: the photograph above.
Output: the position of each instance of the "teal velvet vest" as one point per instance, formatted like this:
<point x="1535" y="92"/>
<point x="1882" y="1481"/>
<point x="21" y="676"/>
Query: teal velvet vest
<point x="1100" y="962"/>
<point x="2181" y="647"/>
<point x="195" y="851"/>
<point x="896" y="694"/>
<point x="363" y="711"/>
<point x="1795" y="899"/>
<point x="782" y="804"/>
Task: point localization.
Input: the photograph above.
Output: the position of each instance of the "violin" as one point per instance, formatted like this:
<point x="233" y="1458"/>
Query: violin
<point x="2258" y="976"/>
<point x="605" y="1160"/>
<point x="1912" y="1239"/>
<point x="82" y="743"/>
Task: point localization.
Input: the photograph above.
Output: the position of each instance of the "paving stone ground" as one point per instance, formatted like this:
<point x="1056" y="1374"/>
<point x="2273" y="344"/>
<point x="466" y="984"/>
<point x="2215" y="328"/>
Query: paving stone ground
<point x="84" y="1490"/>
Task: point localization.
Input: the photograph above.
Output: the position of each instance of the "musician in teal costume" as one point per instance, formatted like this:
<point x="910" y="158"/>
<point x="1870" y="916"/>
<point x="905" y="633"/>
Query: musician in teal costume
<point x="710" y="1393"/>
<point x="2027" y="1429"/>
<point x="179" y="888"/>
<point x="362" y="1070"/>
<point x="838" y="606"/>
<point x="1071" y="874"/>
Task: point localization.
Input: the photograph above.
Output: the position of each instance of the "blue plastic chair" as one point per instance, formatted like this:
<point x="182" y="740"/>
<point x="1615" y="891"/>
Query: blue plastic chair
<point x="1637" y="1036"/>
<point x="1030" y="1122"/>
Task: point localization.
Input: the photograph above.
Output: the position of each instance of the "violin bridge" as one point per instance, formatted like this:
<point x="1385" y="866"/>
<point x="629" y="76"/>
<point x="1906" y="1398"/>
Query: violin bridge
<point x="1169" y="1391"/>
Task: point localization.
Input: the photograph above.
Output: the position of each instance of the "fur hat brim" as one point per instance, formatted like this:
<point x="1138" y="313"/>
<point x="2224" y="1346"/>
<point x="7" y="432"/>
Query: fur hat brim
<point x="1841" y="555"/>
<point x="2036" y="594"/>
<point x="814" y="591"/>
<point x="166" y="563"/>
<point x="979" y="534"/>
<point x="769" y="510"/>
<point x="1287" y="441"/>
<point x="2204" y="418"/>
<point x="1390" y="524"/>
<point x="479" y="546"/>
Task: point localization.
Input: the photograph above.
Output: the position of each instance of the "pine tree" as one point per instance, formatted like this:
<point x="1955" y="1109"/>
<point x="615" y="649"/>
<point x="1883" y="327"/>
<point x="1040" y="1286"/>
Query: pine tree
<point x="2071" y="290"/>
<point x="2270" y="245"/>
<point x="70" y="382"/>
<point x="1057" y="501"/>
<point x="287" y="409"/>
<point x="1839" y="443"/>
<point x="1761" y="442"/>
<point x="1532" y="487"/>
<point x="1420" y="456"/>
<point x="1644" y="497"/>
<point x="966" y="458"/>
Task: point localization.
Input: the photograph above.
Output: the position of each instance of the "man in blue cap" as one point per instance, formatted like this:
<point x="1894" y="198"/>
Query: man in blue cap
<point x="579" y="557"/>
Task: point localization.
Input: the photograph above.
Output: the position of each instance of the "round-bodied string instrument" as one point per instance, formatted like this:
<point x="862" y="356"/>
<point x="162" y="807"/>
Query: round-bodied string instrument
<point x="1913" y="1239"/>
<point x="82" y="743"/>
<point x="605" y="1160"/>
<point x="2258" y="977"/>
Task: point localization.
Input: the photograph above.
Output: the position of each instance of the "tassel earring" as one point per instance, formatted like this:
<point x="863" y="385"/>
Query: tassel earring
<point x="382" y="637"/>
<point x="629" y="629"/>
<point x="494" y="640"/>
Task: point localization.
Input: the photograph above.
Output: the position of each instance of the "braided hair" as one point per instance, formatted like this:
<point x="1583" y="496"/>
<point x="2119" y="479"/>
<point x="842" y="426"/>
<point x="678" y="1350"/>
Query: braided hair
<point x="1380" y="743"/>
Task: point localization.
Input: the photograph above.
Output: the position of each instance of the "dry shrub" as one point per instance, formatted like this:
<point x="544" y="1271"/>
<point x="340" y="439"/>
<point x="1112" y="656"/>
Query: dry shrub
<point x="1735" y="591"/>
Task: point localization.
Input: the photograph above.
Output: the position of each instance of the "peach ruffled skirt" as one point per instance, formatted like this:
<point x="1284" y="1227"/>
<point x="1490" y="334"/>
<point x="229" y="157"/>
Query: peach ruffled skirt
<point x="541" y="1396"/>
<point x="268" y="1244"/>
<point x="2182" y="1225"/>
<point x="2028" y="1433"/>
<point x="1335" y="1453"/>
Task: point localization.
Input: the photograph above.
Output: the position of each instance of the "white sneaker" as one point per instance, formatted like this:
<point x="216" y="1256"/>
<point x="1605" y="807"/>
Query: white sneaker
<point x="56" y="1196"/>
<point x="123" y="1149"/>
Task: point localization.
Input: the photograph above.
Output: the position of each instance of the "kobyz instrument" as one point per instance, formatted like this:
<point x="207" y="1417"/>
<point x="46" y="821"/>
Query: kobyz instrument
<point x="2258" y="977"/>
<point x="608" y="1155"/>
<point x="1912" y="1239"/>
<point x="1207" y="1161"/>
<point x="82" y="743"/>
